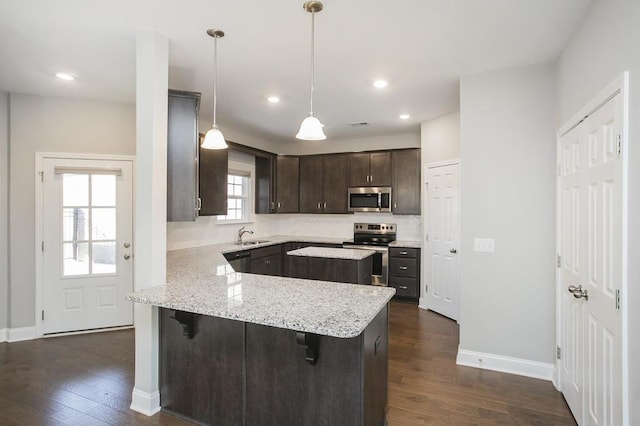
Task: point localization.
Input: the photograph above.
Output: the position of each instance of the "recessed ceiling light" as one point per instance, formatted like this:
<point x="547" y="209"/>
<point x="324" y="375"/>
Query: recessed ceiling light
<point x="404" y="116"/>
<point x="65" y="76"/>
<point x="273" y="99"/>
<point x="380" y="84"/>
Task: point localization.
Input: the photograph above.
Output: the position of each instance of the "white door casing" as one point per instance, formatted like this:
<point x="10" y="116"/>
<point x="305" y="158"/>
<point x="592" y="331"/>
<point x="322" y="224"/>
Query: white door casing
<point x="591" y="249"/>
<point x="87" y="244"/>
<point x="441" y="287"/>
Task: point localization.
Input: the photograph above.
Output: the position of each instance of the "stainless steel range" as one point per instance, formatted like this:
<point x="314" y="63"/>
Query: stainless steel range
<point x="375" y="237"/>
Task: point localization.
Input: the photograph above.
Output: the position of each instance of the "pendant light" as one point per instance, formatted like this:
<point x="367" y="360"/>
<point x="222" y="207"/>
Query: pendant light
<point x="214" y="138"/>
<point x="311" y="127"/>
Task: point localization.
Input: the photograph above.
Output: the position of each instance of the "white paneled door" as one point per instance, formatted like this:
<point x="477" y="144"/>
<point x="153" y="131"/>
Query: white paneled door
<point x="590" y="228"/>
<point x="87" y="244"/>
<point x="442" y="270"/>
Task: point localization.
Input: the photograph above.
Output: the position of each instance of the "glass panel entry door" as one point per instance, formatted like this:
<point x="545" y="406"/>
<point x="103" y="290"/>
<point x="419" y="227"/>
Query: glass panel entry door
<point x="87" y="229"/>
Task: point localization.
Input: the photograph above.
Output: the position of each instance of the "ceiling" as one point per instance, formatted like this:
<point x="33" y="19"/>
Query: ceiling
<point x="420" y="46"/>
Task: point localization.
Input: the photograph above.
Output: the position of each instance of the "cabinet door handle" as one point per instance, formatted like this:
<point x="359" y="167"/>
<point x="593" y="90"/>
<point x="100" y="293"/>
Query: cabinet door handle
<point x="318" y="205"/>
<point x="324" y="206"/>
<point x="403" y="287"/>
<point x="395" y="206"/>
<point x="404" y="268"/>
<point x="279" y="205"/>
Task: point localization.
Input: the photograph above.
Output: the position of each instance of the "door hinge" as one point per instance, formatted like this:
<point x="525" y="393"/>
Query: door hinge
<point x="43" y="315"/>
<point x="558" y="260"/>
<point x="42" y="245"/>
<point x="426" y="238"/>
<point x="558" y="352"/>
<point x="618" y="299"/>
<point x="619" y="144"/>
<point x="41" y="176"/>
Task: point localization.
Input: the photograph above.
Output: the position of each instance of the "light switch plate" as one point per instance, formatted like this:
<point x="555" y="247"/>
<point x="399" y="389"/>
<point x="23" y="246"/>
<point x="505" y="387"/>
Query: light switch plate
<point x="487" y="245"/>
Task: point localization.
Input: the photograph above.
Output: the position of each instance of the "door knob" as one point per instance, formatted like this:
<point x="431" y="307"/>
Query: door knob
<point x="578" y="292"/>
<point x="127" y="256"/>
<point x="453" y="251"/>
<point x="127" y="245"/>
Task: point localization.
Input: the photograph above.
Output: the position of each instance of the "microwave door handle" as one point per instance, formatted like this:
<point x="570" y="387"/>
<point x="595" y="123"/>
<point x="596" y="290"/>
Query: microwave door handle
<point x="379" y="200"/>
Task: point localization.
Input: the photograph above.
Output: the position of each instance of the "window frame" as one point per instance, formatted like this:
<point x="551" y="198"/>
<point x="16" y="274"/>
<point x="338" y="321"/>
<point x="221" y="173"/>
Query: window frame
<point x="247" y="210"/>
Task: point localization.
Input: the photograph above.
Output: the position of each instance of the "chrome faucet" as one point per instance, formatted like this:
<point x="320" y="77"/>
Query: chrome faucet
<point x="241" y="232"/>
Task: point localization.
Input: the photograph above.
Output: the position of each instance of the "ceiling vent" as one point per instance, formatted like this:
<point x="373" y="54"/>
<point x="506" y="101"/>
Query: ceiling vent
<point x="359" y="123"/>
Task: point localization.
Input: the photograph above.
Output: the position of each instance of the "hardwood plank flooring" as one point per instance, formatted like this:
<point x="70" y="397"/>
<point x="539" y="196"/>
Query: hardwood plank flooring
<point x="87" y="380"/>
<point x="427" y="387"/>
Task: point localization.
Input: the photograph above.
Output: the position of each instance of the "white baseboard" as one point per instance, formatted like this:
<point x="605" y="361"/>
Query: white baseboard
<point x="3" y="335"/>
<point x="505" y="364"/>
<point x="144" y="402"/>
<point x="20" y="334"/>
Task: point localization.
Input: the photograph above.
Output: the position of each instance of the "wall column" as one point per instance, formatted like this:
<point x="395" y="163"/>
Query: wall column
<point x="150" y="235"/>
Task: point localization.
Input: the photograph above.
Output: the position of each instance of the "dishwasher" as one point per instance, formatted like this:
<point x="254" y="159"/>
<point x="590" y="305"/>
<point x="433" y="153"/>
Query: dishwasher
<point x="239" y="260"/>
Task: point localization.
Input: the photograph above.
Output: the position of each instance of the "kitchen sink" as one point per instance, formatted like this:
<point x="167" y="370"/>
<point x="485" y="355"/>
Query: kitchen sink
<point x="252" y="243"/>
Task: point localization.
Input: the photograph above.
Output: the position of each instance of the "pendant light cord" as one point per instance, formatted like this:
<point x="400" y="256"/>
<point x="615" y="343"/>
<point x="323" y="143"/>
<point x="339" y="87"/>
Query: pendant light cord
<point x="313" y="77"/>
<point x="215" y="77"/>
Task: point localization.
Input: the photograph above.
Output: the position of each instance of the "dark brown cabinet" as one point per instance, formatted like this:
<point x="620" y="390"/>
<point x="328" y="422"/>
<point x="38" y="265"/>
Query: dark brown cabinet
<point x="182" y="156"/>
<point x="370" y="169"/>
<point x="277" y="184"/>
<point x="266" y="260"/>
<point x="329" y="269"/>
<point x="405" y="196"/>
<point x="404" y="272"/>
<point x="287" y="184"/>
<point x="323" y="183"/>
<point x="265" y="192"/>
<point x="214" y="168"/>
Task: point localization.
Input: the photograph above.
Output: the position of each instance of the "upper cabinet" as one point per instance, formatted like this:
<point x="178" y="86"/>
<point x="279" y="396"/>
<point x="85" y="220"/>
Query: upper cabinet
<point x="182" y="156"/>
<point x="214" y="168"/>
<point x="370" y="169"/>
<point x="277" y="184"/>
<point x="287" y="184"/>
<point x="323" y="183"/>
<point x="405" y="197"/>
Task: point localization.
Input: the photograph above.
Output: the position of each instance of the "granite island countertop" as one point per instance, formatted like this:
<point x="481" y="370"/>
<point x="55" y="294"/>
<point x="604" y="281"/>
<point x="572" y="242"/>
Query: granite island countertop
<point x="200" y="280"/>
<point x="332" y="253"/>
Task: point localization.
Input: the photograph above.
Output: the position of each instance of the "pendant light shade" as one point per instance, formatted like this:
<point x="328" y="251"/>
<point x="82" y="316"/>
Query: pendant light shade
<point x="311" y="127"/>
<point x="214" y="138"/>
<point x="311" y="130"/>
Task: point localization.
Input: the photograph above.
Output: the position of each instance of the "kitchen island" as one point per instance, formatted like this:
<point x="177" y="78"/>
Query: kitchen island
<point x="238" y="348"/>
<point x="342" y="265"/>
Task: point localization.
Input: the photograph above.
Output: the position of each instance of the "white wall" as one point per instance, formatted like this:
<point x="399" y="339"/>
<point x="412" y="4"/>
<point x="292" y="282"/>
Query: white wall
<point x="369" y="143"/>
<point x="48" y="124"/>
<point x="605" y="45"/>
<point x="440" y="138"/>
<point x="507" y="147"/>
<point x="4" y="209"/>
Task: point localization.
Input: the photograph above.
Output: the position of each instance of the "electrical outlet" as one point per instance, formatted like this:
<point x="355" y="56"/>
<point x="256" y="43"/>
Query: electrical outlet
<point x="487" y="245"/>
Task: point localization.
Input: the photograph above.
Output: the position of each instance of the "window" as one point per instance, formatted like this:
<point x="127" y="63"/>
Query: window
<point x="238" y="201"/>
<point x="88" y="224"/>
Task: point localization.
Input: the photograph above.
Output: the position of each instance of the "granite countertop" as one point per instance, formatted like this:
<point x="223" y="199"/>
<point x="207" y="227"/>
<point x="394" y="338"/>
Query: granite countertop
<point x="332" y="253"/>
<point x="200" y="280"/>
<point x="406" y="243"/>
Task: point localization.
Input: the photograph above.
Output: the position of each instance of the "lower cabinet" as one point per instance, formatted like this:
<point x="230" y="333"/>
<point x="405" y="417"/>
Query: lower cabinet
<point x="266" y="260"/>
<point x="327" y="269"/>
<point x="223" y="372"/>
<point x="404" y="272"/>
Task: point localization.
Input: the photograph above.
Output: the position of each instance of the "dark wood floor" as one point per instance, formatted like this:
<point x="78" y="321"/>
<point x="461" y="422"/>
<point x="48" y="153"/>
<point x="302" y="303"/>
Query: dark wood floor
<point x="87" y="380"/>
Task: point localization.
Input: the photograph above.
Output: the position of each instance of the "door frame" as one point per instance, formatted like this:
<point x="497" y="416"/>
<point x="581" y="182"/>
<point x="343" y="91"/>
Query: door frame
<point x="40" y="157"/>
<point x="422" y="301"/>
<point x="619" y="86"/>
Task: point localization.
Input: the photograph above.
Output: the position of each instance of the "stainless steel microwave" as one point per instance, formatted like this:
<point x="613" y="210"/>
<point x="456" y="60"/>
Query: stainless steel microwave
<point x="370" y="199"/>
